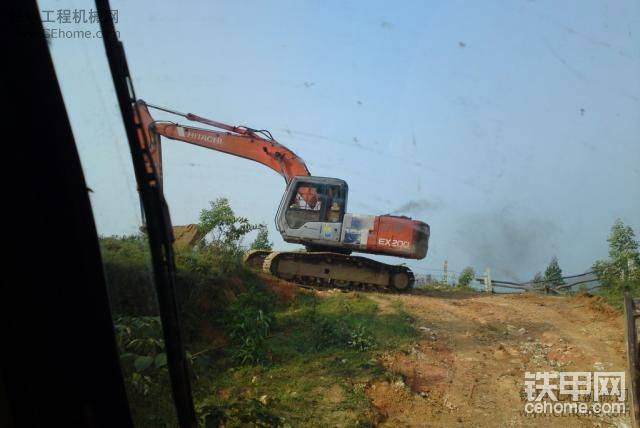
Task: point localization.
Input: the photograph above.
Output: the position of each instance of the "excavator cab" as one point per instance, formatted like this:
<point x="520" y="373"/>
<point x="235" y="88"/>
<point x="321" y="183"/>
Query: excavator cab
<point x="312" y="210"/>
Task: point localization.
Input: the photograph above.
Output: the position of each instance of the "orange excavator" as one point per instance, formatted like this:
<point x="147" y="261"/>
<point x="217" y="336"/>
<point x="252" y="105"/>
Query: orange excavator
<point x="312" y="211"/>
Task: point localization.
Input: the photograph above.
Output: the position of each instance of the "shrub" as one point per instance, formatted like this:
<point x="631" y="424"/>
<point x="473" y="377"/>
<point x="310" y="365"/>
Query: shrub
<point x="248" y="320"/>
<point x="144" y="366"/>
<point x="221" y="223"/>
<point x="466" y="276"/>
<point x="262" y="240"/>
<point x="360" y="339"/>
<point x="620" y="273"/>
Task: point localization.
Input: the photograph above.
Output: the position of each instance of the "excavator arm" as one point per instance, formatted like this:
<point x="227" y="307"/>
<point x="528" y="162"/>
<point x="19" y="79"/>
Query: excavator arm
<point x="256" y="145"/>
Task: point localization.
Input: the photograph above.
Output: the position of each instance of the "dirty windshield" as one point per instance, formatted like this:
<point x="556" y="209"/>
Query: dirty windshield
<point x="408" y="214"/>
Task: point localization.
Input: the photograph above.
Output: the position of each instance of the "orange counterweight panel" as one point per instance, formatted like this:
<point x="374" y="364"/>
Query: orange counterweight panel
<point x="399" y="236"/>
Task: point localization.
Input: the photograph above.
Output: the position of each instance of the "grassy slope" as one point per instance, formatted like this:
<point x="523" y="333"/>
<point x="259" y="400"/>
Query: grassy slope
<point x="319" y="352"/>
<point x="322" y="356"/>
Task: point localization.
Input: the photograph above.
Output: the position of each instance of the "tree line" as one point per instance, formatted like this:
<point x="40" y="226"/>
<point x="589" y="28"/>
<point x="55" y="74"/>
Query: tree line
<point x="617" y="274"/>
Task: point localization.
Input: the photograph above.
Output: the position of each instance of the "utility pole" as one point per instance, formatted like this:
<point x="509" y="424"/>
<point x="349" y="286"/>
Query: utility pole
<point x="445" y="276"/>
<point x="488" y="285"/>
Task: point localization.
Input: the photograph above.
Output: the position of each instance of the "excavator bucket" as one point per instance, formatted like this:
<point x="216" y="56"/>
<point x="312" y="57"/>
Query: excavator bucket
<point x="186" y="236"/>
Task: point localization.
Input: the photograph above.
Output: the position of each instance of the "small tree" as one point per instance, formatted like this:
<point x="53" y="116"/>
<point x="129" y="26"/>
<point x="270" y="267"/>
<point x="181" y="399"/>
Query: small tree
<point x="623" y="248"/>
<point x="553" y="273"/>
<point x="466" y="276"/>
<point x="262" y="239"/>
<point x="624" y="258"/>
<point x="221" y="223"/>
<point x="622" y="242"/>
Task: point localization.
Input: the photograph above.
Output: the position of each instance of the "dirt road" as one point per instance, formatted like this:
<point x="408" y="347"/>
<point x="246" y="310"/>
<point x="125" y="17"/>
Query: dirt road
<point x="467" y="369"/>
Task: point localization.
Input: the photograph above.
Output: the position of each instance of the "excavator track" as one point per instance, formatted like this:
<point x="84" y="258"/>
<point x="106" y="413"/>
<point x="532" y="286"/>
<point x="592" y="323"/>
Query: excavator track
<point x="327" y="269"/>
<point x="255" y="258"/>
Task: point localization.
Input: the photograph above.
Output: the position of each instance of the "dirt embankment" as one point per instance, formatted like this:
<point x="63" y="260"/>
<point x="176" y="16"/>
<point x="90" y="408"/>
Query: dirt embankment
<point x="468" y="367"/>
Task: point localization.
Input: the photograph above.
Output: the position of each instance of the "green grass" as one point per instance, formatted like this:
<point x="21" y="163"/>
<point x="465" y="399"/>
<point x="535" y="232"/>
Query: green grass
<point x="316" y="377"/>
<point x="615" y="292"/>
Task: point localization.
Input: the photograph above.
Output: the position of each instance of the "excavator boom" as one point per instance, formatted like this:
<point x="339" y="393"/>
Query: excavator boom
<point x="240" y="141"/>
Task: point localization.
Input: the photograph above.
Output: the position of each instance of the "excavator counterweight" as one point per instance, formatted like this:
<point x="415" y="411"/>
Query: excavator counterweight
<point x="312" y="211"/>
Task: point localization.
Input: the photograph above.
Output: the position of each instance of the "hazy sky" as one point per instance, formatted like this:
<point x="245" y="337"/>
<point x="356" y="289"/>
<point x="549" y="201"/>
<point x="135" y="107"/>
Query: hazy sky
<point x="511" y="127"/>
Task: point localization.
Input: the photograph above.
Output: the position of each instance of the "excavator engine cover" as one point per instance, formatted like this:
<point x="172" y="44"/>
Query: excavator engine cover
<point x="386" y="234"/>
